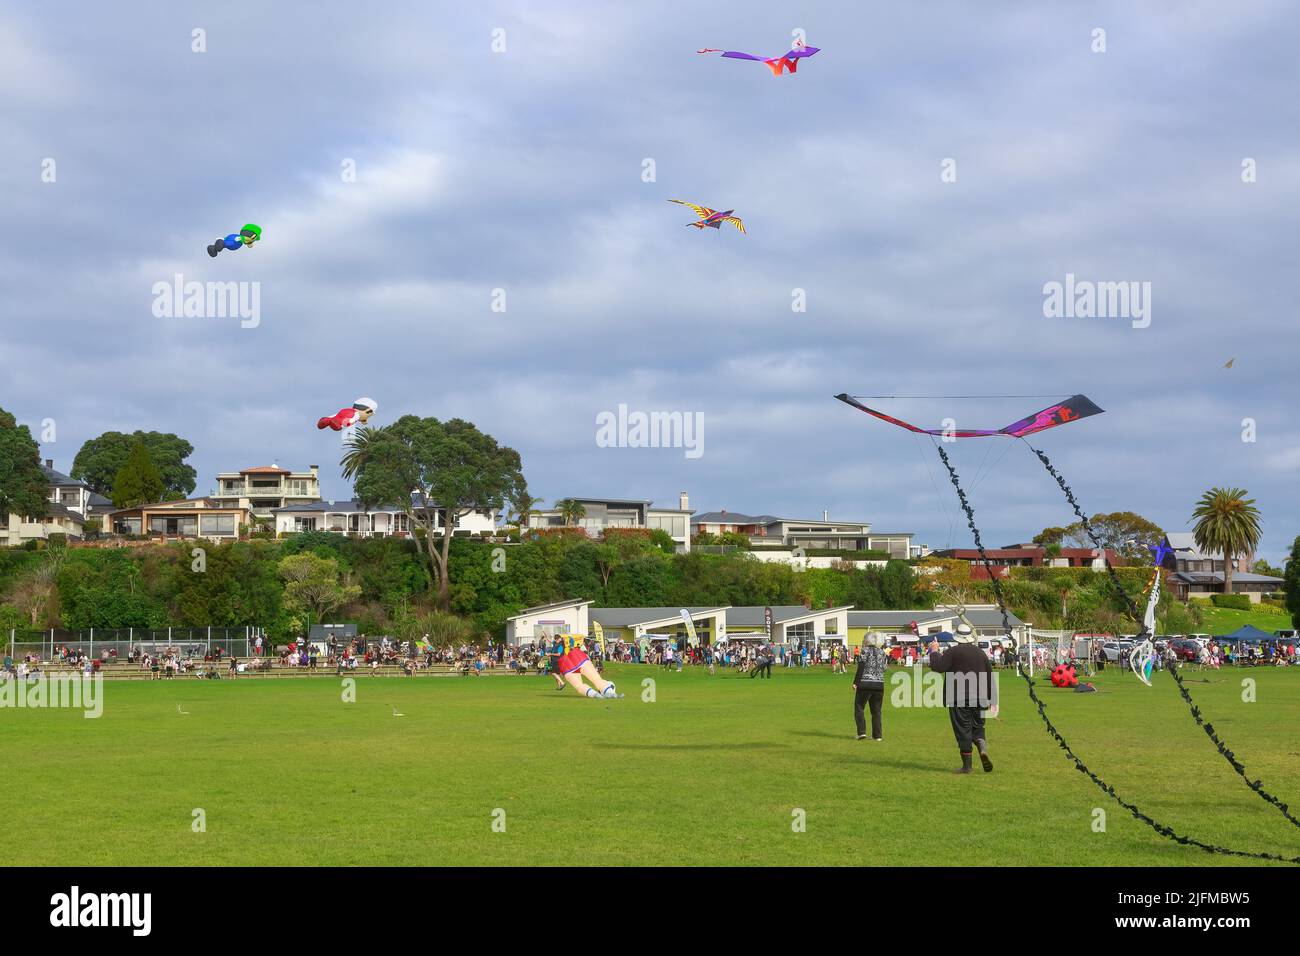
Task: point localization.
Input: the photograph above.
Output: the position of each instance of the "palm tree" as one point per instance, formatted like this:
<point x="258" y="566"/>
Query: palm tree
<point x="1227" y="522"/>
<point x="358" y="451"/>
<point x="524" y="507"/>
<point x="571" y="510"/>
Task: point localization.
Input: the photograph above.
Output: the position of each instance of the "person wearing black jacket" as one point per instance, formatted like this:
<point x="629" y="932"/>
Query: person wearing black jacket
<point x="967" y="693"/>
<point x="869" y="687"/>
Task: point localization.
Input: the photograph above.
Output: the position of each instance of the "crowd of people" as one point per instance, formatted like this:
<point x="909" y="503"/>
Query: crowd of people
<point x="743" y="656"/>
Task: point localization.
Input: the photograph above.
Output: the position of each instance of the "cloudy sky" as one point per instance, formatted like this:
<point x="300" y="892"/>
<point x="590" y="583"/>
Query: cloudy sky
<point x="523" y="170"/>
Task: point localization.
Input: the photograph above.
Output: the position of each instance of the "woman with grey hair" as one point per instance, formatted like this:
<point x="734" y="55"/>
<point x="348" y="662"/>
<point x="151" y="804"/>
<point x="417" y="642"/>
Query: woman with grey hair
<point x="869" y="687"/>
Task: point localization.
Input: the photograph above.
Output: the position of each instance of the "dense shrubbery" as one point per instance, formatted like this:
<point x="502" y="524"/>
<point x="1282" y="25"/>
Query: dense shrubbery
<point x="1237" y="602"/>
<point x="241" y="584"/>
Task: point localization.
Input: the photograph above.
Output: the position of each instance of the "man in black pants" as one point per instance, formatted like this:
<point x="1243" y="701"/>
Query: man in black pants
<point x="869" y="688"/>
<point x="967" y="692"/>
<point x="763" y="667"/>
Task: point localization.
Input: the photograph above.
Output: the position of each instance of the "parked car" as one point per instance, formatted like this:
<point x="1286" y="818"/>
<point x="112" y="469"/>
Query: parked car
<point x="1186" y="649"/>
<point x="1114" y="651"/>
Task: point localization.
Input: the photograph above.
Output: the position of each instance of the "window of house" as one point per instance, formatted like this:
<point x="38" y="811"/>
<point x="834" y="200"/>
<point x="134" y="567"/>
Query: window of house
<point x="218" y="524"/>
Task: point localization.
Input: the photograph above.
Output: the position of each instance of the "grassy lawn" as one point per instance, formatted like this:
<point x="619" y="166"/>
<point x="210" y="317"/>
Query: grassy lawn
<point x="709" y="773"/>
<point x="1225" y="620"/>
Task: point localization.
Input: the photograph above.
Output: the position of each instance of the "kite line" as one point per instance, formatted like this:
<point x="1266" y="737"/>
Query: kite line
<point x="1164" y="830"/>
<point x="1228" y="755"/>
<point x="1073" y="409"/>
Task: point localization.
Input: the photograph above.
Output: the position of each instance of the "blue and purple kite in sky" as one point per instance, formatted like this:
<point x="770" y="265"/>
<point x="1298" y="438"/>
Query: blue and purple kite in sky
<point x="777" y="64"/>
<point x="1072" y="409"/>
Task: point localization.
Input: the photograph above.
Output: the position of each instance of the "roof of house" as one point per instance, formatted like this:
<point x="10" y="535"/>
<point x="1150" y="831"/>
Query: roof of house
<point x="188" y="504"/>
<point x="265" y="470"/>
<point x="756" y="616"/>
<point x="1185" y="548"/>
<point x="979" y="617"/>
<point x="737" y="517"/>
<point x="731" y="517"/>
<point x="59" y="478"/>
<point x="55" y="510"/>
<point x="350" y="506"/>
<point x="636" y="616"/>
<point x="601" y="501"/>
<point x="555" y="606"/>
<point x="1216" y="577"/>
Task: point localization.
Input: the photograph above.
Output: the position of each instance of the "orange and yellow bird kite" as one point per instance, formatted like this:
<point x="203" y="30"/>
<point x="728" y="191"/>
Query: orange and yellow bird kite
<point x="711" y="218"/>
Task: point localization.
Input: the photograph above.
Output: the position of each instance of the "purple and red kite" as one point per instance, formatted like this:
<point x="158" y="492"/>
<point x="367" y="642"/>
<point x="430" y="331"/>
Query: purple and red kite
<point x="777" y="64"/>
<point x="1072" y="409"/>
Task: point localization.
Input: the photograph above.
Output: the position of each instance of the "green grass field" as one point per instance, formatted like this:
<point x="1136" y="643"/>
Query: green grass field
<point x="1225" y="620"/>
<point x="709" y="773"/>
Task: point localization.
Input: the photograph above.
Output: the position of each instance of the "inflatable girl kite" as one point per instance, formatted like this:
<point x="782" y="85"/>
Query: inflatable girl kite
<point x="575" y="665"/>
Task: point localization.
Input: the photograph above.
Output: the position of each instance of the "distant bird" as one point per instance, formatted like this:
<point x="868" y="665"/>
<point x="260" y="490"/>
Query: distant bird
<point x="711" y="218"/>
<point x="395" y="713"/>
<point x="1230" y="361"/>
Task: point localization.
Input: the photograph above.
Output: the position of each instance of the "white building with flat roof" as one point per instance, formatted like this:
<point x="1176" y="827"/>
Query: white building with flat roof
<point x="601" y="513"/>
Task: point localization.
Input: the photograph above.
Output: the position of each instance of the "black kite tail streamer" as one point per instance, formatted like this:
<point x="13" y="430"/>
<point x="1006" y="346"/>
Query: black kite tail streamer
<point x="1160" y="828"/>
<point x="1210" y="732"/>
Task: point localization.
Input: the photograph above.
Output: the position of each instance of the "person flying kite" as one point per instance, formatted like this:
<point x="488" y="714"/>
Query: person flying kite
<point x="777" y="64"/>
<point x="711" y="218"/>
<point x="574" y="665"/>
<point x="245" y="237"/>
<point x="358" y="414"/>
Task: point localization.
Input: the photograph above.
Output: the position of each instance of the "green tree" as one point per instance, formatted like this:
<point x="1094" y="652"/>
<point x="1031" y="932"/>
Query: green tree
<point x="1263" y="567"/>
<point x="1292" y="586"/>
<point x="138" y="482"/>
<point x="436" y="472"/>
<point x="312" y="586"/>
<point x="1050" y="536"/>
<point x="100" y="459"/>
<point x="898" y="585"/>
<point x="23" y="487"/>
<point x="1227" y="522"/>
<point x="571" y="511"/>
<point x="1121" y="531"/>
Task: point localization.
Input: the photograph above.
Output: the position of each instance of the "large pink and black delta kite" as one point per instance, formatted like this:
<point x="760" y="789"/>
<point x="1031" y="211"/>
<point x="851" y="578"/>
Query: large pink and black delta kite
<point x="777" y="64"/>
<point x="1072" y="409"/>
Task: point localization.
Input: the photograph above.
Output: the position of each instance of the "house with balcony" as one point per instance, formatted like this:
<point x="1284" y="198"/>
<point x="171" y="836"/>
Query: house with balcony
<point x="770" y="531"/>
<point x="602" y="513"/>
<point x="265" y="488"/>
<point x="353" y="518"/>
<point x="71" y="503"/>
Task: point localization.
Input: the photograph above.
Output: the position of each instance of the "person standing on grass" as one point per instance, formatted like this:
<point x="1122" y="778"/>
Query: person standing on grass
<point x="967" y="693"/>
<point x="869" y="688"/>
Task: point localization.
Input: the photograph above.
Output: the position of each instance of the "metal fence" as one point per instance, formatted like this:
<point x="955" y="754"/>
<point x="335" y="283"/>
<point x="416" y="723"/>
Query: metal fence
<point x="95" y="642"/>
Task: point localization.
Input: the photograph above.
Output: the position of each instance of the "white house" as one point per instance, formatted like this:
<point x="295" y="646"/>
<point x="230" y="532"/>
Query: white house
<point x="70" y="504"/>
<point x="769" y="530"/>
<point x="541" y="623"/>
<point x="353" y="518"/>
<point x="265" y="488"/>
<point x="602" y="513"/>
